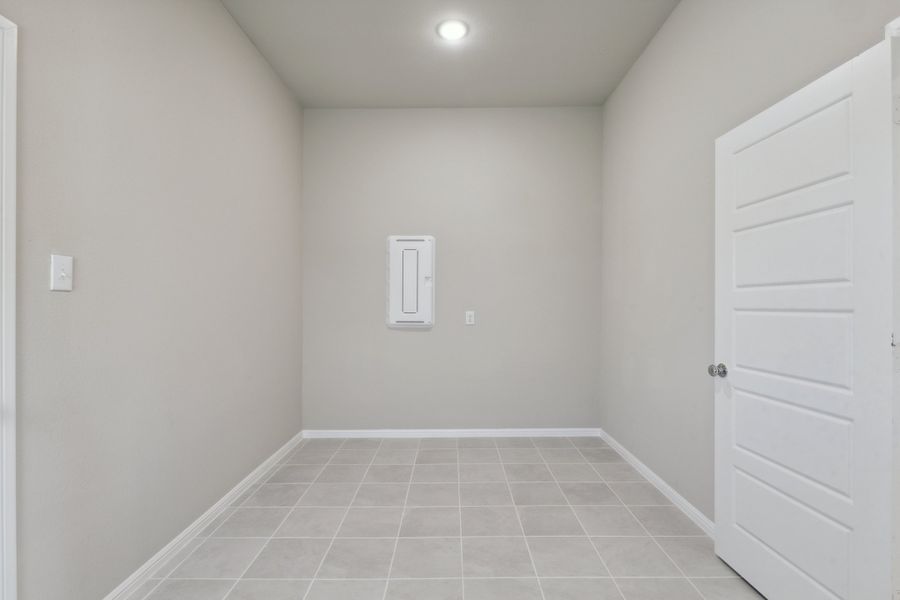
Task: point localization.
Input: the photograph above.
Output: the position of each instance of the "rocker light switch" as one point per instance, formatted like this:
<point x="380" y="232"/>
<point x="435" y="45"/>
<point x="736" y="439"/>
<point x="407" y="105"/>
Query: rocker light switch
<point x="61" y="273"/>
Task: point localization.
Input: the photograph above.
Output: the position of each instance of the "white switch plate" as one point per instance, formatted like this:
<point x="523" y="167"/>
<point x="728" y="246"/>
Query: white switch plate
<point x="61" y="273"/>
<point x="470" y="317"/>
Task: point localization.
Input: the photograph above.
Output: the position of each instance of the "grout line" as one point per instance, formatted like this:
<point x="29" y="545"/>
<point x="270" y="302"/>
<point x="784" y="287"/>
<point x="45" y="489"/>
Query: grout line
<point x="577" y="518"/>
<point x="412" y="470"/>
<point x="162" y="580"/>
<point x="443" y="537"/>
<point x="451" y="506"/>
<point x="344" y="518"/>
<point x="266" y="543"/>
<point x="496" y="462"/>
<point x="462" y="564"/>
<point x="521" y="525"/>
<point x="651" y="536"/>
<point x="471" y="578"/>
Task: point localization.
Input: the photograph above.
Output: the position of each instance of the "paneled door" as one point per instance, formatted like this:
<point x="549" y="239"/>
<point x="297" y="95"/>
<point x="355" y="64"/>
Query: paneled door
<point x="803" y="332"/>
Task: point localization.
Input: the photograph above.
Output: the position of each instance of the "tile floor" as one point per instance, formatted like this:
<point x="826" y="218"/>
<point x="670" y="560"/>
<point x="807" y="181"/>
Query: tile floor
<point x="450" y="519"/>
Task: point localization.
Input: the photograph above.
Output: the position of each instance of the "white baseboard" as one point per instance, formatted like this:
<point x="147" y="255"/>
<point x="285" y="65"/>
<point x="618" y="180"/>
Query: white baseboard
<point x="440" y="433"/>
<point x="150" y="567"/>
<point x="699" y="519"/>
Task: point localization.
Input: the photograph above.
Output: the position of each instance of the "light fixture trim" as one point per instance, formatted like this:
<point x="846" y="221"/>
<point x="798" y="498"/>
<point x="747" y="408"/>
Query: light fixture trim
<point x="452" y="30"/>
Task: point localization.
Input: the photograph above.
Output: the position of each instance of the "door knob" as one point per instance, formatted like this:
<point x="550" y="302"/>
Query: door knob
<point x="720" y="369"/>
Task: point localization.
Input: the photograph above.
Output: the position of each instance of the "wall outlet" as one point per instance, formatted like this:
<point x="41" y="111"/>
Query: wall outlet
<point x="470" y="317"/>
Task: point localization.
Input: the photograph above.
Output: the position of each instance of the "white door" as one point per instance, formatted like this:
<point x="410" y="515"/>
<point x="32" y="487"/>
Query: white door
<point x="803" y="324"/>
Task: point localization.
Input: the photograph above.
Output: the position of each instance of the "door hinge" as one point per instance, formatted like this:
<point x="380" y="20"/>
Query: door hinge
<point x="893" y="344"/>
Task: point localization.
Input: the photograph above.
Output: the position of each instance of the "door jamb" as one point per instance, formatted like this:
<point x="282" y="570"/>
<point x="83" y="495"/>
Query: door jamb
<point x="8" y="96"/>
<point x="892" y="36"/>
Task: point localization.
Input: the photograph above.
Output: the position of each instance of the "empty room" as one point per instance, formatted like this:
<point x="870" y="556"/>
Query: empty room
<point x="449" y="299"/>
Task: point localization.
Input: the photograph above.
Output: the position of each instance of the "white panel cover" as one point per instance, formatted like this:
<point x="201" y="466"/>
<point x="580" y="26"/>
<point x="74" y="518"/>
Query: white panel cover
<point x="410" y="281"/>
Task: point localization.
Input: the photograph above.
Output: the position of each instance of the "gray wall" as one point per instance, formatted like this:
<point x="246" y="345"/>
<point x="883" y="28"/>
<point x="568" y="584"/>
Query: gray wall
<point x="714" y="64"/>
<point x="159" y="149"/>
<point x="512" y="196"/>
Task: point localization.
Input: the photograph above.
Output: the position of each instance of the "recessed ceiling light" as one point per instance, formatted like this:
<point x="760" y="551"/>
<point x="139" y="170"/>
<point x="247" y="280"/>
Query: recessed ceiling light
<point x="452" y="30"/>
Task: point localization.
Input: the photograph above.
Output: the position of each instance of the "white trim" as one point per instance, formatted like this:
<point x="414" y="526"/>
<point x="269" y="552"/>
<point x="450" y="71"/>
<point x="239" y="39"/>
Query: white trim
<point x="693" y="513"/>
<point x="159" y="559"/>
<point x="892" y="29"/>
<point x="455" y="433"/>
<point x="8" y="95"/>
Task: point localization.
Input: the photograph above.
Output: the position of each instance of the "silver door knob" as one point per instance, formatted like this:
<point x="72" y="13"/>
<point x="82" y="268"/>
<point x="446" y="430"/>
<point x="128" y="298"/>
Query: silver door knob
<point x="717" y="370"/>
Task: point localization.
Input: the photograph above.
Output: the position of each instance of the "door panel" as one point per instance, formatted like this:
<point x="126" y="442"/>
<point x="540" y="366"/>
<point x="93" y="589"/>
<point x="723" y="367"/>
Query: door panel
<point x="803" y="321"/>
<point x="779" y="343"/>
<point x="767" y="427"/>
<point x="781" y="162"/>
<point x="801" y="535"/>
<point x="810" y="248"/>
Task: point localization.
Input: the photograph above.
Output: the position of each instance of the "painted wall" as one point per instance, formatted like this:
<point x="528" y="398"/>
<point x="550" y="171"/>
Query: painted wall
<point x="512" y="196"/>
<point x="714" y="64"/>
<point x="159" y="149"/>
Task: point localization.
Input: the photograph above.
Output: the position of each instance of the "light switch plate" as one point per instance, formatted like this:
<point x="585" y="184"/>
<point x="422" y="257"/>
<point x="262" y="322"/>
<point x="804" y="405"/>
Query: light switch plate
<point x="61" y="273"/>
<point x="470" y="317"/>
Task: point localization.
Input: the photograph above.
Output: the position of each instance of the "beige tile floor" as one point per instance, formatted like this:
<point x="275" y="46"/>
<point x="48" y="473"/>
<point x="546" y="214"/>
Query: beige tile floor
<point x="450" y="519"/>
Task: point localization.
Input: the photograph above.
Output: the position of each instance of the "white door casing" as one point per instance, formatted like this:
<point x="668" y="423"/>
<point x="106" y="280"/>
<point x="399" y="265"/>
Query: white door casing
<point x="8" y="85"/>
<point x="892" y="35"/>
<point x="803" y="322"/>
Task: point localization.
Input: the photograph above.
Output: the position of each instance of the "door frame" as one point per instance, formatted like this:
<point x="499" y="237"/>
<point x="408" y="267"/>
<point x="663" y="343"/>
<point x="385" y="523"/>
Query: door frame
<point x="892" y="35"/>
<point x="8" y="96"/>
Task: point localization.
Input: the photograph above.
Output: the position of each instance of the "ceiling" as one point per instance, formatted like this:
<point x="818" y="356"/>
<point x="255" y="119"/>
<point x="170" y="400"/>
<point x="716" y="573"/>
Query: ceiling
<point x="385" y="53"/>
